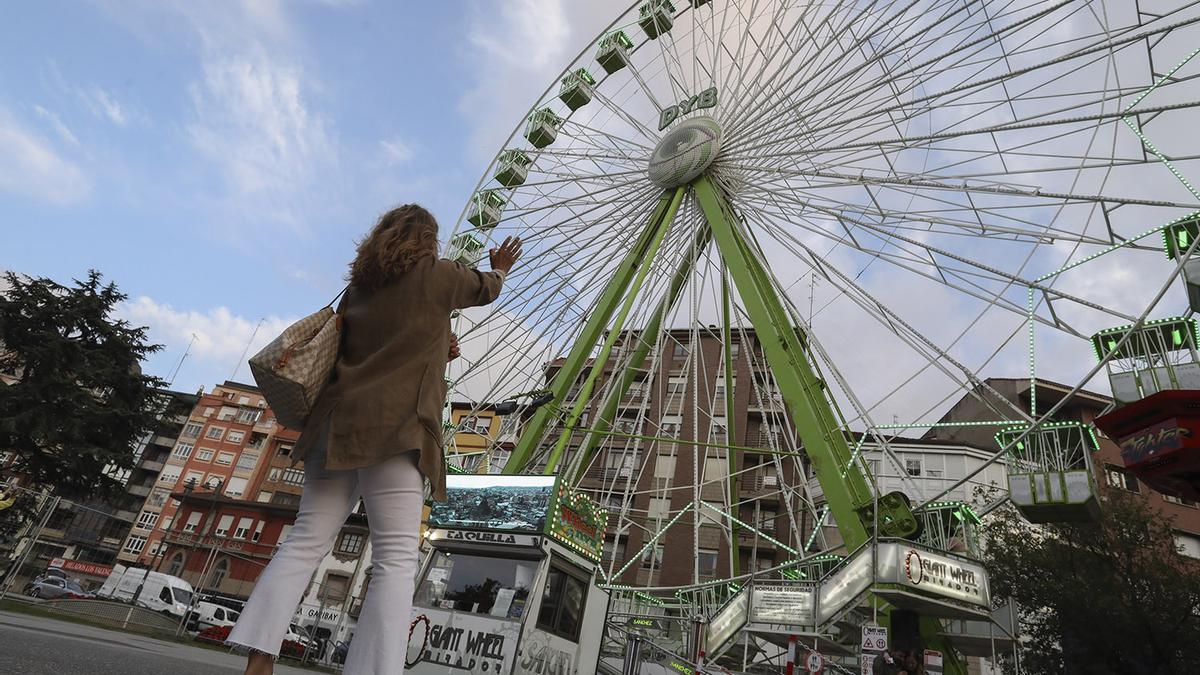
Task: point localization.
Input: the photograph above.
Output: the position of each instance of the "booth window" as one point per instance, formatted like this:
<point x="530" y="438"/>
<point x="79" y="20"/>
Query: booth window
<point x="477" y="584"/>
<point x="563" y="600"/>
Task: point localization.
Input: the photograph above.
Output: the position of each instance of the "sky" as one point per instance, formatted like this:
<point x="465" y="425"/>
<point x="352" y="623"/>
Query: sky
<point x="218" y="160"/>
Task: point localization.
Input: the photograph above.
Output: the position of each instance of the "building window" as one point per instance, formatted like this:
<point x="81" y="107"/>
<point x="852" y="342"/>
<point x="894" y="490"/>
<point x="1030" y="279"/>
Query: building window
<point x="193" y="478"/>
<point x="912" y="467"/>
<point x="193" y="522"/>
<point x="243" y="528"/>
<point x="335" y="588"/>
<point x="147" y="520"/>
<point x="208" y="412"/>
<point x="1181" y="501"/>
<point x="766" y="520"/>
<point x="293" y="476"/>
<point x="169" y="476"/>
<point x="236" y="487"/>
<point x="224" y="525"/>
<point x="243" y="400"/>
<point x="1119" y="478"/>
<point x="235" y="436"/>
<point x="476" y="424"/>
<point x="664" y="466"/>
<point x="220" y="571"/>
<point x="176" y="565"/>
<point x="135" y="544"/>
<point x="680" y="351"/>
<point x="563" y="601"/>
<point x="227" y="414"/>
<point x="264" y="496"/>
<point x="159" y="497"/>
<point x="284" y="450"/>
<point x="707" y="560"/>
<point x="614" y="550"/>
<point x="192" y="430"/>
<point x="204" y="455"/>
<point x="215" y="433"/>
<point x="258" y="531"/>
<point x="351" y="543"/>
<point x="182" y="451"/>
<point x="224" y="458"/>
<point x="249" y="415"/>
<point x="247" y="461"/>
<point x="1187" y="544"/>
<point x="659" y="507"/>
<point x="652" y="558"/>
<point x="716" y="469"/>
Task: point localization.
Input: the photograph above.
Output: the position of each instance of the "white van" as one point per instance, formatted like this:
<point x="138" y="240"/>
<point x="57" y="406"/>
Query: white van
<point x="160" y="592"/>
<point x="208" y="614"/>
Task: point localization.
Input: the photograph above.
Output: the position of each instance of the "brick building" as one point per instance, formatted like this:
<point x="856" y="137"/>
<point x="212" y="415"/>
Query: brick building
<point x="230" y="440"/>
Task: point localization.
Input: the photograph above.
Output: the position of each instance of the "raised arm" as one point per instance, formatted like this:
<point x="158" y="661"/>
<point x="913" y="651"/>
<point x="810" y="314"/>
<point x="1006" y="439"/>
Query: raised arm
<point x="459" y="286"/>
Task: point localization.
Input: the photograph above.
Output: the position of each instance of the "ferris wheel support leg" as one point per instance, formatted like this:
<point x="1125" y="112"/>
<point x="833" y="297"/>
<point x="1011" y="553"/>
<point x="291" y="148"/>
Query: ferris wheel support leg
<point x="637" y="359"/>
<point x="594" y="329"/>
<point x="850" y="497"/>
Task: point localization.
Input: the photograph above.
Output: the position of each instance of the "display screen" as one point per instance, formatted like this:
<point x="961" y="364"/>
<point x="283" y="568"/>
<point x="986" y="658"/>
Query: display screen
<point x="491" y="502"/>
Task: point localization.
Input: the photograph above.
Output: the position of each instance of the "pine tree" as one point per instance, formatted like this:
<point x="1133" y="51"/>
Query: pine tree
<point x="80" y="404"/>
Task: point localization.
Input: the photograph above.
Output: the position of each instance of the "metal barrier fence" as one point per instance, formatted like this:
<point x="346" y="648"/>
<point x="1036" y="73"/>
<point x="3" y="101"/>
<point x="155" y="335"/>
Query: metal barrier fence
<point x="62" y="552"/>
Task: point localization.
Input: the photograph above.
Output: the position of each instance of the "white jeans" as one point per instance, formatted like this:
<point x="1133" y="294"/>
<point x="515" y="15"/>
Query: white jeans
<point x="393" y="492"/>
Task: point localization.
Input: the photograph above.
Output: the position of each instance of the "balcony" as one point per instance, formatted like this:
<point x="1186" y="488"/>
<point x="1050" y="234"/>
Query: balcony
<point x="153" y="465"/>
<point x="138" y="490"/>
<point x="755" y="483"/>
<point x="766" y="400"/>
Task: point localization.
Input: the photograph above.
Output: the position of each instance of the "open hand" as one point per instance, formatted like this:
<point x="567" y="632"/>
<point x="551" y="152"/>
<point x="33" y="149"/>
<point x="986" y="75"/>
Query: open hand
<point x="502" y="258"/>
<point x="455" y="352"/>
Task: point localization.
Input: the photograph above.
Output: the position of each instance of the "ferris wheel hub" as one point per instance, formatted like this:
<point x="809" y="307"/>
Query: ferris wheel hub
<point x="684" y="153"/>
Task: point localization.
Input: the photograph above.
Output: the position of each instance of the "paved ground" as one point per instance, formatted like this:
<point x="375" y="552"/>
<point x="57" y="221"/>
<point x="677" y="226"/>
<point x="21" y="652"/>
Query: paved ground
<point x="31" y="645"/>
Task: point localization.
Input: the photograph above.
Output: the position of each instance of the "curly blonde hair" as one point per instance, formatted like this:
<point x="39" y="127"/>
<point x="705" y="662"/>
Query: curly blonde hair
<point x="401" y="238"/>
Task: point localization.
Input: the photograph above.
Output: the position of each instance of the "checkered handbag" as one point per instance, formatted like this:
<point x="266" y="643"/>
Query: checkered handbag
<point x="294" y="367"/>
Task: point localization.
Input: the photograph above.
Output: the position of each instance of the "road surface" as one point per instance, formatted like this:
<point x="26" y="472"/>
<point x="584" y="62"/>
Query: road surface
<point x="32" y="645"/>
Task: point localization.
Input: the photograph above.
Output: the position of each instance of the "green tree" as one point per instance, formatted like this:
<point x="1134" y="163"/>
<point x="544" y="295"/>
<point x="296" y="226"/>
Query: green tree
<point x="1107" y="597"/>
<point x="80" y="403"/>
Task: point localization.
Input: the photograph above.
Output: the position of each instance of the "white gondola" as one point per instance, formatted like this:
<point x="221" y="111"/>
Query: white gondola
<point x="486" y="209"/>
<point x="542" y="128"/>
<point x="513" y="168"/>
<point x="613" y="53"/>
<point x="656" y="17"/>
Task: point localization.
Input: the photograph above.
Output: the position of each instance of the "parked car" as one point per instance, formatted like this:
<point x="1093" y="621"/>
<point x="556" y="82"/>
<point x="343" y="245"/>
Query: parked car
<point x="55" y="587"/>
<point x="297" y="634"/>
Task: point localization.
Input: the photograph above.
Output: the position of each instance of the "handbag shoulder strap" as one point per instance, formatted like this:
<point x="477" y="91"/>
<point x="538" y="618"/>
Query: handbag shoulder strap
<point x="341" y="294"/>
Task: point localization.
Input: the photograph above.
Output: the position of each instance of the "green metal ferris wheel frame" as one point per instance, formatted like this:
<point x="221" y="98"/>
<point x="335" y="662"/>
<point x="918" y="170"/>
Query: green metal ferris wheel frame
<point x="846" y="484"/>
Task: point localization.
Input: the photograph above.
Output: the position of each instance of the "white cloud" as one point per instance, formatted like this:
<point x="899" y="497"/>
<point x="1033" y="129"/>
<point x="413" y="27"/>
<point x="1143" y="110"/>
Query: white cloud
<point x="221" y="335"/>
<point x="56" y="123"/>
<point x="103" y="104"/>
<point x="252" y="121"/>
<point x="396" y="150"/>
<point x="29" y="166"/>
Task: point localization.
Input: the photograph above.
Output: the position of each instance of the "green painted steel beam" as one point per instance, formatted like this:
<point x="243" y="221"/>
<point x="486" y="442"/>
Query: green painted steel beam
<point x="593" y="330"/>
<point x="660" y="227"/>
<point x="735" y="552"/>
<point x="602" y="425"/>
<point x="850" y="497"/>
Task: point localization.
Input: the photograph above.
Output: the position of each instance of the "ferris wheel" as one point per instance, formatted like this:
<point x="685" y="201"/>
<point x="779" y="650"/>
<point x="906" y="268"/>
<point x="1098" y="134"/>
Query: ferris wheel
<point x="849" y="215"/>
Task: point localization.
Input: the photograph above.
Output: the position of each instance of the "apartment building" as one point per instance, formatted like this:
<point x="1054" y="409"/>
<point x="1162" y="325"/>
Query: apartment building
<point x="482" y="437"/>
<point x="228" y="444"/>
<point x="672" y="425"/>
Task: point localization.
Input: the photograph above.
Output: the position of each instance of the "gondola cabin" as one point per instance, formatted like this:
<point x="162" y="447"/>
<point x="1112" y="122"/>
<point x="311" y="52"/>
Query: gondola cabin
<point x="486" y="208"/>
<point x="1155" y="376"/>
<point x="1178" y="237"/>
<point x="1050" y="476"/>
<point x="613" y="53"/>
<point x="656" y="17"/>
<point x="542" y="127"/>
<point x="577" y="88"/>
<point x="513" y="168"/>
<point x="466" y="248"/>
<point x="509" y="585"/>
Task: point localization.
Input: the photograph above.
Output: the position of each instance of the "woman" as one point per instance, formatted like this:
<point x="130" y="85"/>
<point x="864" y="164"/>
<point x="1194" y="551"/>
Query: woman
<point x="375" y="430"/>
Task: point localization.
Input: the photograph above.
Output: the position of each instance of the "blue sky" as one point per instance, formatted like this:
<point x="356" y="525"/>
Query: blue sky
<point x="218" y="160"/>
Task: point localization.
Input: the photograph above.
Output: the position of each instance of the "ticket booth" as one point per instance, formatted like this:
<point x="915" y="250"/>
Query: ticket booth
<point x="509" y="586"/>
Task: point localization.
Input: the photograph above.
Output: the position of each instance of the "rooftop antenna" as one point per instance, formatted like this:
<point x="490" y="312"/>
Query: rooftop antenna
<point x="175" y="373"/>
<point x="249" y="342"/>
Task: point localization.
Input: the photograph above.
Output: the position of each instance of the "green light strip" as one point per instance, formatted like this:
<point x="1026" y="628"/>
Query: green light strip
<point x="1166" y="76"/>
<point x="914" y="425"/>
<point x="1110" y="249"/>
<point x="762" y="534"/>
<point x="1032" y="370"/>
<point x="1162" y="158"/>
<point x="653" y="540"/>
<point x="816" y="528"/>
